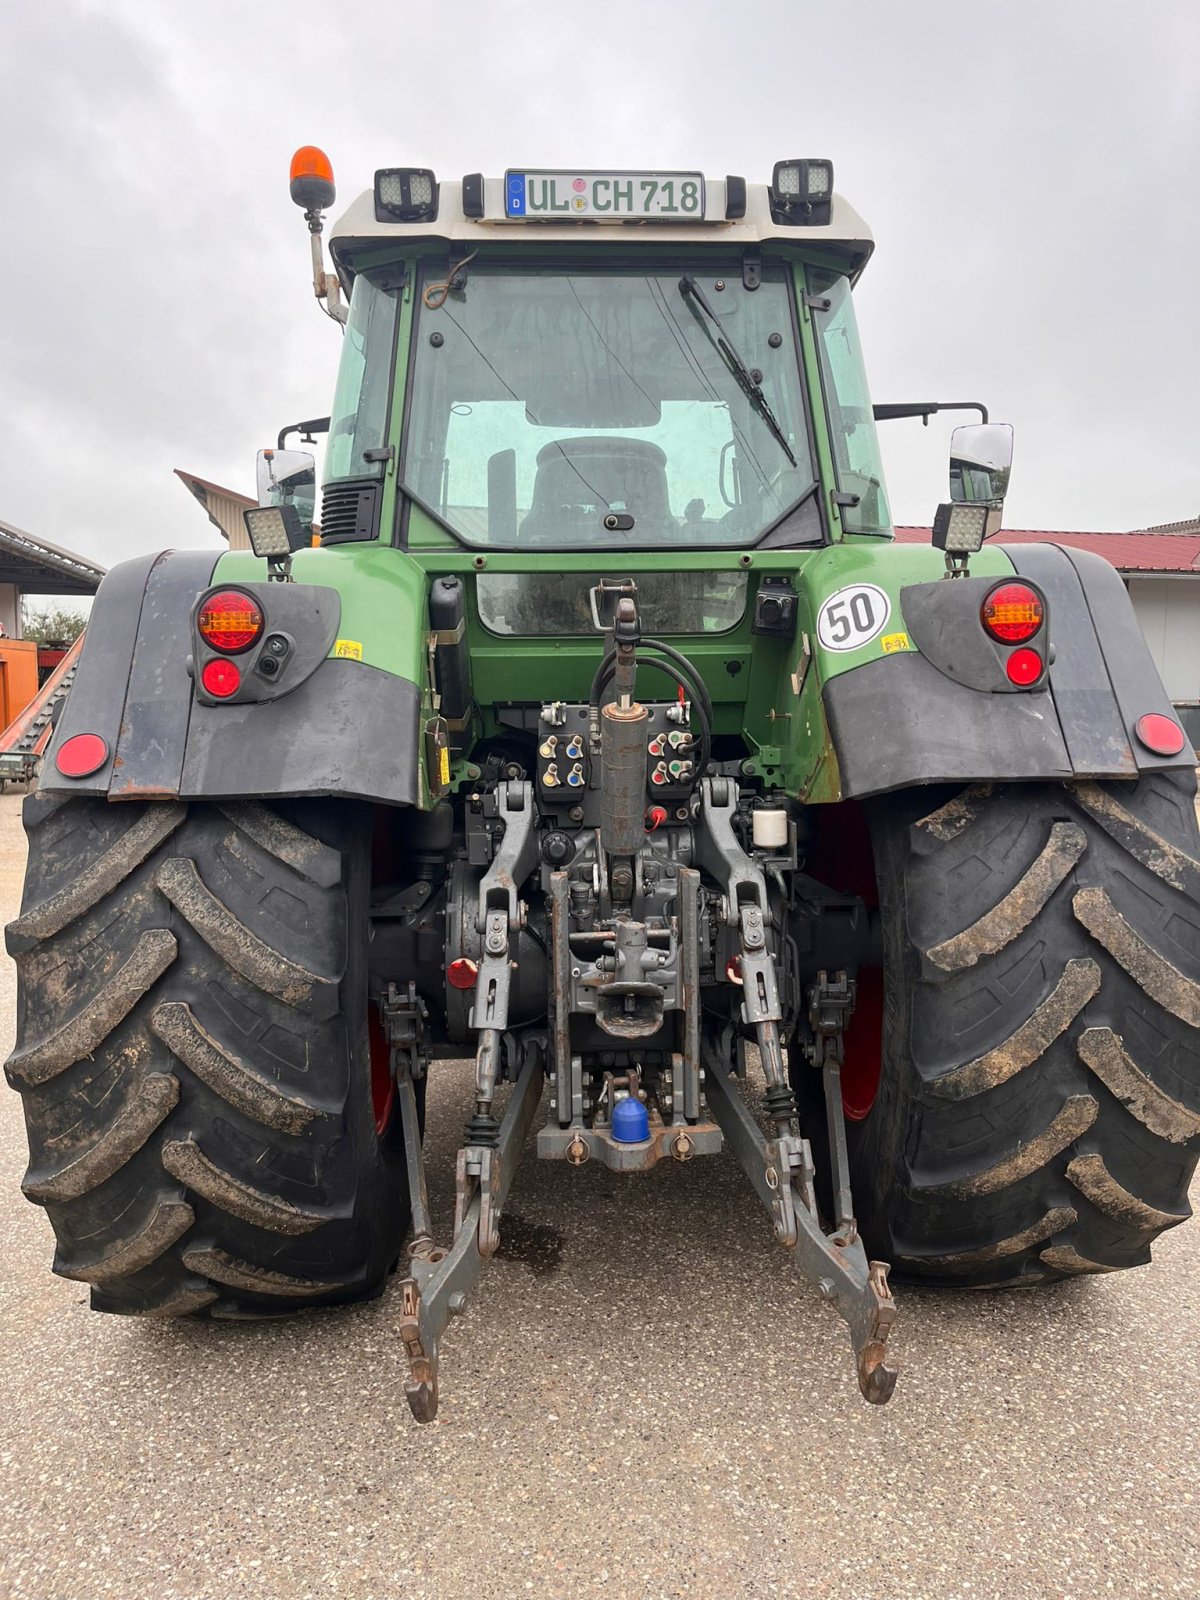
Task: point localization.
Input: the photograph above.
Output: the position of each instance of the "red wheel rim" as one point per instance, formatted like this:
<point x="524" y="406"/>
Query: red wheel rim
<point x="383" y="1085"/>
<point x="863" y="1066"/>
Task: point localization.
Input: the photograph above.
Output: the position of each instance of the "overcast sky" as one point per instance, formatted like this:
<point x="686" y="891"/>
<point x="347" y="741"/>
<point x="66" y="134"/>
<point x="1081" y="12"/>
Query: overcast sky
<point x="1031" y="171"/>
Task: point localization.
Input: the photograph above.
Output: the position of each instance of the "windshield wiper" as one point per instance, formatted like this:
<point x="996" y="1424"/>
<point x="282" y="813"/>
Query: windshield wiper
<point x="691" y="290"/>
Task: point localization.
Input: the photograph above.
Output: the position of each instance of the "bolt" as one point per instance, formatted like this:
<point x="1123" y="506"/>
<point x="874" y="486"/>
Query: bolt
<point x="437" y="340"/>
<point x="825" y="1288"/>
<point x="457" y="1303"/>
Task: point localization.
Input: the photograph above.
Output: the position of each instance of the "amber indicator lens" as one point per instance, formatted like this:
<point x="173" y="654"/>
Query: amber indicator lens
<point x="1012" y="613"/>
<point x="229" y="621"/>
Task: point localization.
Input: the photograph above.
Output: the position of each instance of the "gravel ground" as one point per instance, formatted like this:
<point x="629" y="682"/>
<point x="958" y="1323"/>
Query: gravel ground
<point x="643" y="1400"/>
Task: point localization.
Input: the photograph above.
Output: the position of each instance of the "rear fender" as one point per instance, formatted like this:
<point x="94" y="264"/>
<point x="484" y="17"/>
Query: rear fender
<point x="338" y="727"/>
<point x="920" y="716"/>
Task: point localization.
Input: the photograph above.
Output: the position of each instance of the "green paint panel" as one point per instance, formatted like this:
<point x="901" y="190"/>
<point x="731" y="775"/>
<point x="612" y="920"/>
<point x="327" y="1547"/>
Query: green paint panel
<point x="383" y="598"/>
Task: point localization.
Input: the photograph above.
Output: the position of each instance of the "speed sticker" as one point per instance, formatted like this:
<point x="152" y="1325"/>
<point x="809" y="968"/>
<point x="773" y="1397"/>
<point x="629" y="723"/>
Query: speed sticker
<point x="853" y="616"/>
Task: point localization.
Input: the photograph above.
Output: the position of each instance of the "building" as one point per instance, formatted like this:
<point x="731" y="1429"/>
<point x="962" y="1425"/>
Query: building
<point x="223" y="507"/>
<point x="1161" y="569"/>
<point x="34" y="566"/>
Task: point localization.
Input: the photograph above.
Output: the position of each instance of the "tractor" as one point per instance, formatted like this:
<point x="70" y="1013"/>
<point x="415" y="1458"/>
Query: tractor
<point x="602" y="732"/>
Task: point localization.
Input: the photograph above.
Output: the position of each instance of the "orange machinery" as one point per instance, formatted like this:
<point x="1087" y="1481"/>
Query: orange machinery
<point x="18" y="677"/>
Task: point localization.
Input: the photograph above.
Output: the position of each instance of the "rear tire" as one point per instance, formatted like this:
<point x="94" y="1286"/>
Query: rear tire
<point x="192" y="1051"/>
<point x="1039" y="1110"/>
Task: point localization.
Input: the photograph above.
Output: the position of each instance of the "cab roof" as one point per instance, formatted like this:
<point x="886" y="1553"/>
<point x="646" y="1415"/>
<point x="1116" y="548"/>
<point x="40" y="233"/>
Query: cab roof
<point x="845" y="237"/>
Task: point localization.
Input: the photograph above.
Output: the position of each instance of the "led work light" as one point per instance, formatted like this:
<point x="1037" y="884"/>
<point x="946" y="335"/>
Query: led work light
<point x="274" y="531"/>
<point x="406" y="194"/>
<point x="801" y="191"/>
<point x="960" y="529"/>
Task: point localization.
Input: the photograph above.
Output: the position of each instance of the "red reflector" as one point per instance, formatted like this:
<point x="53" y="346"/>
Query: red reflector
<point x="229" y="621"/>
<point x="1161" y="734"/>
<point x="82" y="755"/>
<point x="1012" y="613"/>
<point x="1023" y="667"/>
<point x="221" y="678"/>
<point x="462" y="973"/>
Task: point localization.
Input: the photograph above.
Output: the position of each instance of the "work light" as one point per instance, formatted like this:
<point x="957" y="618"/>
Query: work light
<point x="801" y="191"/>
<point x="274" y="531"/>
<point x="960" y="529"/>
<point x="406" y="194"/>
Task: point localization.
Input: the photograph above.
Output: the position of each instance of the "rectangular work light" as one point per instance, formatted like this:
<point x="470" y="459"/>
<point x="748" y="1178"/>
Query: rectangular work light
<point x="960" y="528"/>
<point x="801" y="192"/>
<point x="274" y="531"/>
<point x="406" y="194"/>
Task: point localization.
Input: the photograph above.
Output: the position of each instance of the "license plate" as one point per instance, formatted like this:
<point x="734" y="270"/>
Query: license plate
<point x="605" y="196"/>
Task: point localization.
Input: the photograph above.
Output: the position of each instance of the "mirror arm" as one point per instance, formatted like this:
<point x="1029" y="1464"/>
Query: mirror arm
<point x="304" y="429"/>
<point x="926" y="409"/>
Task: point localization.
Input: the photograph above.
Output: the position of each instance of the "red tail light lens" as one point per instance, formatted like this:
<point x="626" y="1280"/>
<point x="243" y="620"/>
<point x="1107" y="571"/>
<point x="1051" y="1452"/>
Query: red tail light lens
<point x="229" y="621"/>
<point x="221" y="678"/>
<point x="1023" y="667"/>
<point x="82" y="755"/>
<point x="1012" y="613"/>
<point x="1161" y="734"/>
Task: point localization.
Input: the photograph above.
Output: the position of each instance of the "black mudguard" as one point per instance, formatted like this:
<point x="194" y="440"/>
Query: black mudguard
<point x="903" y="720"/>
<point x="346" y="729"/>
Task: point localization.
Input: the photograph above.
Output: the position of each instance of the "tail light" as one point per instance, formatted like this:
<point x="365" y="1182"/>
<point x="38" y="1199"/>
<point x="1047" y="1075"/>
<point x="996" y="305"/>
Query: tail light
<point x="229" y="621"/>
<point x="1024" y="667"/>
<point x="221" y="678"/>
<point x="1161" y="734"/>
<point x="1012" y="613"/>
<point x="82" y="755"/>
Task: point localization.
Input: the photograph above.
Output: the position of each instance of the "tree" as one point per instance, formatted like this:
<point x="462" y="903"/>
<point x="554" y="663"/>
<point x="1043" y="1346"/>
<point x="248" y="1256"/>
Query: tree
<point x="58" y="626"/>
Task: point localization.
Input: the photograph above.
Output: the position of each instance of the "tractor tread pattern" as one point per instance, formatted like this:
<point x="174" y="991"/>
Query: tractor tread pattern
<point x="98" y="878"/>
<point x="1079" y="982"/>
<point x="1162" y="981"/>
<point x="228" y="937"/>
<point x="200" y="1125"/>
<point x="155" y="1098"/>
<point x="83" y="1034"/>
<point x="221" y="1267"/>
<point x="1021" y="906"/>
<point x="1040" y="1106"/>
<point x="169" y="1221"/>
<point x="184" y="1159"/>
<point x="227" y="1075"/>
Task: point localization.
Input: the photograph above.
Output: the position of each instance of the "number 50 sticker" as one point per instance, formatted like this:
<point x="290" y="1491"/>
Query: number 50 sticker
<point x="853" y="616"/>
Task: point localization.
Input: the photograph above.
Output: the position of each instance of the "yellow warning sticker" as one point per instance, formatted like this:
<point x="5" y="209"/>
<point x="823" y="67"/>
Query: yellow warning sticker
<point x="443" y="767"/>
<point x="347" y="649"/>
<point x="891" y="642"/>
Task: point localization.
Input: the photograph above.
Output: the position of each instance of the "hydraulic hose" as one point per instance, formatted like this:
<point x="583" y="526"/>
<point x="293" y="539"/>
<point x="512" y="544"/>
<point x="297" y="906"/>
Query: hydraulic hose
<point x="677" y="667"/>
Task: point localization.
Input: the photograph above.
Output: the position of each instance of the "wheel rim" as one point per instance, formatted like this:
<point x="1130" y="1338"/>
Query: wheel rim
<point x="383" y="1085"/>
<point x="863" y="1066"/>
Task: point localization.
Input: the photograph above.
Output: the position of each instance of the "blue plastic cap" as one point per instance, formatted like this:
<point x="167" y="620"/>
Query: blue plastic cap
<point x="630" y="1122"/>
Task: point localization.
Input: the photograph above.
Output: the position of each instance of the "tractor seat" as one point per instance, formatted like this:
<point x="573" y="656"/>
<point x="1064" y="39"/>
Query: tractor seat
<point x="580" y="480"/>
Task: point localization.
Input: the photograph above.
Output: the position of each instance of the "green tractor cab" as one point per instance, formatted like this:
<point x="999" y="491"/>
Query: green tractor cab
<point x="600" y="731"/>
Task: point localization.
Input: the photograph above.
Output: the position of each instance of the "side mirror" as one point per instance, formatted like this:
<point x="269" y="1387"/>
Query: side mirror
<point x="289" y="478"/>
<point x="980" y="462"/>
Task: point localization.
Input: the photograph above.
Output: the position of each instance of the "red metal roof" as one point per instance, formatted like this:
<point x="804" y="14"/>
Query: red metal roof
<point x="1128" y="552"/>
